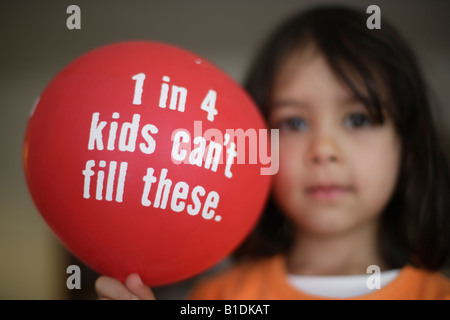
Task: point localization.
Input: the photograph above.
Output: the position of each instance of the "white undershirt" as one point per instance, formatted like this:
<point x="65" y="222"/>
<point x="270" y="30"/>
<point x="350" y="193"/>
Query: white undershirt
<point x="339" y="286"/>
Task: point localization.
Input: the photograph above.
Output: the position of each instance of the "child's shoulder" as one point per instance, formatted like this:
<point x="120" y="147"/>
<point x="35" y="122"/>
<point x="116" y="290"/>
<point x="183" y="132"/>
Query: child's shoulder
<point x="239" y="280"/>
<point x="435" y="284"/>
<point x="416" y="284"/>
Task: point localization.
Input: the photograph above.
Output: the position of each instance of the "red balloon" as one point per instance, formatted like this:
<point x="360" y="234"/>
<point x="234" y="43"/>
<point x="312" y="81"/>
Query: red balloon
<point x="127" y="157"/>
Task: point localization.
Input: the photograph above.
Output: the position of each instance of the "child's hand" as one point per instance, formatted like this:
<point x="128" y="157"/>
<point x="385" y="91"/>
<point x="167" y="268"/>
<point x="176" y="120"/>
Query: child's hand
<point x="109" y="288"/>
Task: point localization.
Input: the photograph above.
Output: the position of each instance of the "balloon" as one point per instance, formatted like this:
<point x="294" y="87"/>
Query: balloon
<point x="144" y="157"/>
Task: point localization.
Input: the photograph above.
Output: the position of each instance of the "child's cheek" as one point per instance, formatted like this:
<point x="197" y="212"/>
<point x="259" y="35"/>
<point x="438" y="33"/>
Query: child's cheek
<point x="288" y="177"/>
<point x="375" y="164"/>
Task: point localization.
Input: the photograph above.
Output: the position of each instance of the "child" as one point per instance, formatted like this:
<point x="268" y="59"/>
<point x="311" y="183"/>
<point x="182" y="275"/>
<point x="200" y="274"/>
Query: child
<point x="363" y="183"/>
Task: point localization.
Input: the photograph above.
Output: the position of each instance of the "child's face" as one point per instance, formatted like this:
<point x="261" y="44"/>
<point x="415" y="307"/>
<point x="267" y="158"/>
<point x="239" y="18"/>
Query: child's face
<point x="338" y="170"/>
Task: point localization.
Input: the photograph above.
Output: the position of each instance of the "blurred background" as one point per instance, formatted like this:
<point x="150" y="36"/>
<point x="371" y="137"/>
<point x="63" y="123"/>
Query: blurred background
<point x="36" y="45"/>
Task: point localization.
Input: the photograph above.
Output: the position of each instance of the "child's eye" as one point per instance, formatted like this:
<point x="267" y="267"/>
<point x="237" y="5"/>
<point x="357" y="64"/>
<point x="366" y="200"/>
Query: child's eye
<point x="357" y="120"/>
<point x="292" y="124"/>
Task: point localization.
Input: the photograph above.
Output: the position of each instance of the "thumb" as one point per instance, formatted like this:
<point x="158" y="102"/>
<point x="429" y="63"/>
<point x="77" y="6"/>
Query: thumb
<point x="134" y="283"/>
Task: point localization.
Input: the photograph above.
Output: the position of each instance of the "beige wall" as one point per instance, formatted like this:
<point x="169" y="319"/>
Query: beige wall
<point x="35" y="45"/>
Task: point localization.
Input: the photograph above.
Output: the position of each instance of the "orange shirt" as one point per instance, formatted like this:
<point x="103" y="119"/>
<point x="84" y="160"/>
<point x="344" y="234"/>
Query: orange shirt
<point x="267" y="280"/>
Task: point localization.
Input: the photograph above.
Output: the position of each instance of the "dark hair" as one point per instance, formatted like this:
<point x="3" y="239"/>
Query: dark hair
<point x="415" y="224"/>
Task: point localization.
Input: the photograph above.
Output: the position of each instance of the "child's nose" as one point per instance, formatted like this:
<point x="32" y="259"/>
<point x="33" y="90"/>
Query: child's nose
<point x="324" y="150"/>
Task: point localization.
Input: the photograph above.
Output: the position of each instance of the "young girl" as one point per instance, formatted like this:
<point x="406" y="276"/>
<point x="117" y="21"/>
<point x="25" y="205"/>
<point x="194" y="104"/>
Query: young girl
<point x="363" y="186"/>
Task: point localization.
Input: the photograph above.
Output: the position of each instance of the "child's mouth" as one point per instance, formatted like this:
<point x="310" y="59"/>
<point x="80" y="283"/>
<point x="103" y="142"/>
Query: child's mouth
<point x="327" y="192"/>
